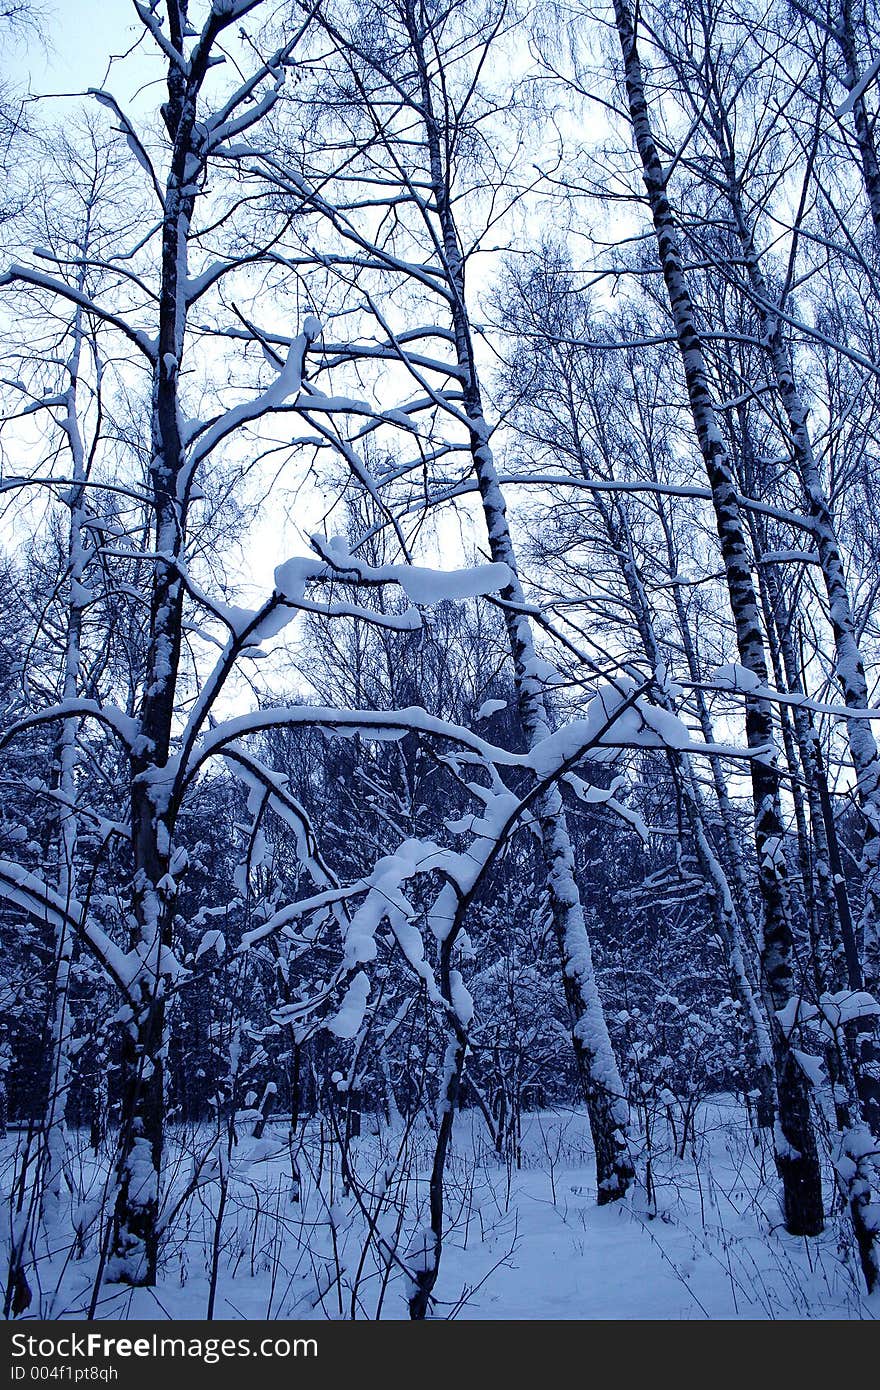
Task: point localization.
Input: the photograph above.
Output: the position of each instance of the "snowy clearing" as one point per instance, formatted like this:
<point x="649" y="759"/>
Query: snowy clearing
<point x="522" y="1244"/>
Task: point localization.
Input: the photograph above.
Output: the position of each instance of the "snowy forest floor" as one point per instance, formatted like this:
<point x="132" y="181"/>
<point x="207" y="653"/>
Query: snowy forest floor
<point x="525" y="1243"/>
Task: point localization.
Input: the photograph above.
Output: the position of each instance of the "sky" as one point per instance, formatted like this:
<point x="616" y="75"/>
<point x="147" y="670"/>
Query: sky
<point x="70" y="57"/>
<point x="77" y="37"/>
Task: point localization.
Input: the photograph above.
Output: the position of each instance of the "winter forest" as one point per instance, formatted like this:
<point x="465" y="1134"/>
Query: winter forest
<point x="439" y="646"/>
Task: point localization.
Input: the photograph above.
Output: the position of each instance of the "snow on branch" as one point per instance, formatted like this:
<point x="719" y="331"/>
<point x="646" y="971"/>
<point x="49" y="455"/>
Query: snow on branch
<point x="423" y="586"/>
<point x="684" y="490"/>
<point x="263" y="781"/>
<point x="153" y="25"/>
<point x="831" y="1013"/>
<point x="858" y="91"/>
<point x="287" y="383"/>
<point x="27" y="275"/>
<point x="334" y="562"/>
<point x="35" y="897"/>
<point x="618" y="711"/>
<point x="132" y="139"/>
<point x="126" y="729"/>
<point x="734" y="679"/>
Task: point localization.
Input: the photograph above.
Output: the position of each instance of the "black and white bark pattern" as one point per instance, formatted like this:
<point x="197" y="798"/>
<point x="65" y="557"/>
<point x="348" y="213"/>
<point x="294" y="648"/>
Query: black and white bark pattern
<point x="796" y="1153"/>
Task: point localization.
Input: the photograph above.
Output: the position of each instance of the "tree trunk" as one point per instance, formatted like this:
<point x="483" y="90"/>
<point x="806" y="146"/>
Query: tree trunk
<point x="795" y="1148"/>
<point x="64" y="778"/>
<point x="135" y="1240"/>
<point x="598" y="1072"/>
<point x="849" y="665"/>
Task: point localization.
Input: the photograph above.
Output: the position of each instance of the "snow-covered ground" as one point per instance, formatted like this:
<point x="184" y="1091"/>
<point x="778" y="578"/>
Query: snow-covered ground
<point x="525" y="1243"/>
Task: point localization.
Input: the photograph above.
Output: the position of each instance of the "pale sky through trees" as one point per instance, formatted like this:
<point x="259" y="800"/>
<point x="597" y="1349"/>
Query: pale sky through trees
<point x="80" y="36"/>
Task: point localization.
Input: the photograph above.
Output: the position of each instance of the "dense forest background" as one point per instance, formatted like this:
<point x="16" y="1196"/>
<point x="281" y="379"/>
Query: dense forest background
<point x="439" y="625"/>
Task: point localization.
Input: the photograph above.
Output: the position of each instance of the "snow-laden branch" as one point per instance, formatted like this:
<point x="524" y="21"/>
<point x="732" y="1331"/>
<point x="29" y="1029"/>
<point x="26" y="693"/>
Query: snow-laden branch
<point x="386" y="902"/>
<point x="153" y="26"/>
<point x="125" y="728"/>
<point x="616" y="720"/>
<point x="831" y="1013"/>
<point x="683" y="490"/>
<point x="333" y="563"/>
<point x="858" y="90"/>
<point x="222" y="125"/>
<point x="422" y="585"/>
<point x="287" y="384"/>
<point x="131" y="136"/>
<point x="273" y="789"/>
<point x="37" y="279"/>
<point x="733" y="679"/>
<point x="33" y="896"/>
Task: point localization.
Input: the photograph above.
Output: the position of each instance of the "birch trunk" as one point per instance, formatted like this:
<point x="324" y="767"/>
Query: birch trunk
<point x="55" y="1137"/>
<point x="736" y="868"/>
<point x="737" y="877"/>
<point x="726" y="917"/>
<point x="844" y="35"/>
<point x="795" y="1148"/>
<point x="849" y="664"/>
<point x="135" y="1232"/>
<point x="599" y="1075"/>
<point x="829" y="951"/>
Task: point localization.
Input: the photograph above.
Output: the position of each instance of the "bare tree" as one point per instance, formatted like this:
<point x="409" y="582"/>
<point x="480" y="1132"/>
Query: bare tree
<point x="796" y="1153"/>
<point x="417" y="110"/>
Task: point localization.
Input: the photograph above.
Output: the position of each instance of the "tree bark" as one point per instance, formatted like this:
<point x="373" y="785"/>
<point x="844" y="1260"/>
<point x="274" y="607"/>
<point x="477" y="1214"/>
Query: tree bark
<point x="599" y="1075"/>
<point x="795" y="1143"/>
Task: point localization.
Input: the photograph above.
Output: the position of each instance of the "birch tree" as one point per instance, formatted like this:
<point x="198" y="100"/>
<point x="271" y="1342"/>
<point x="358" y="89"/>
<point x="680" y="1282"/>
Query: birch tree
<point x="155" y="326"/>
<point x="704" y="79"/>
<point x="796" y="1154"/>
<point x="570" y="413"/>
<point x="413" y="108"/>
